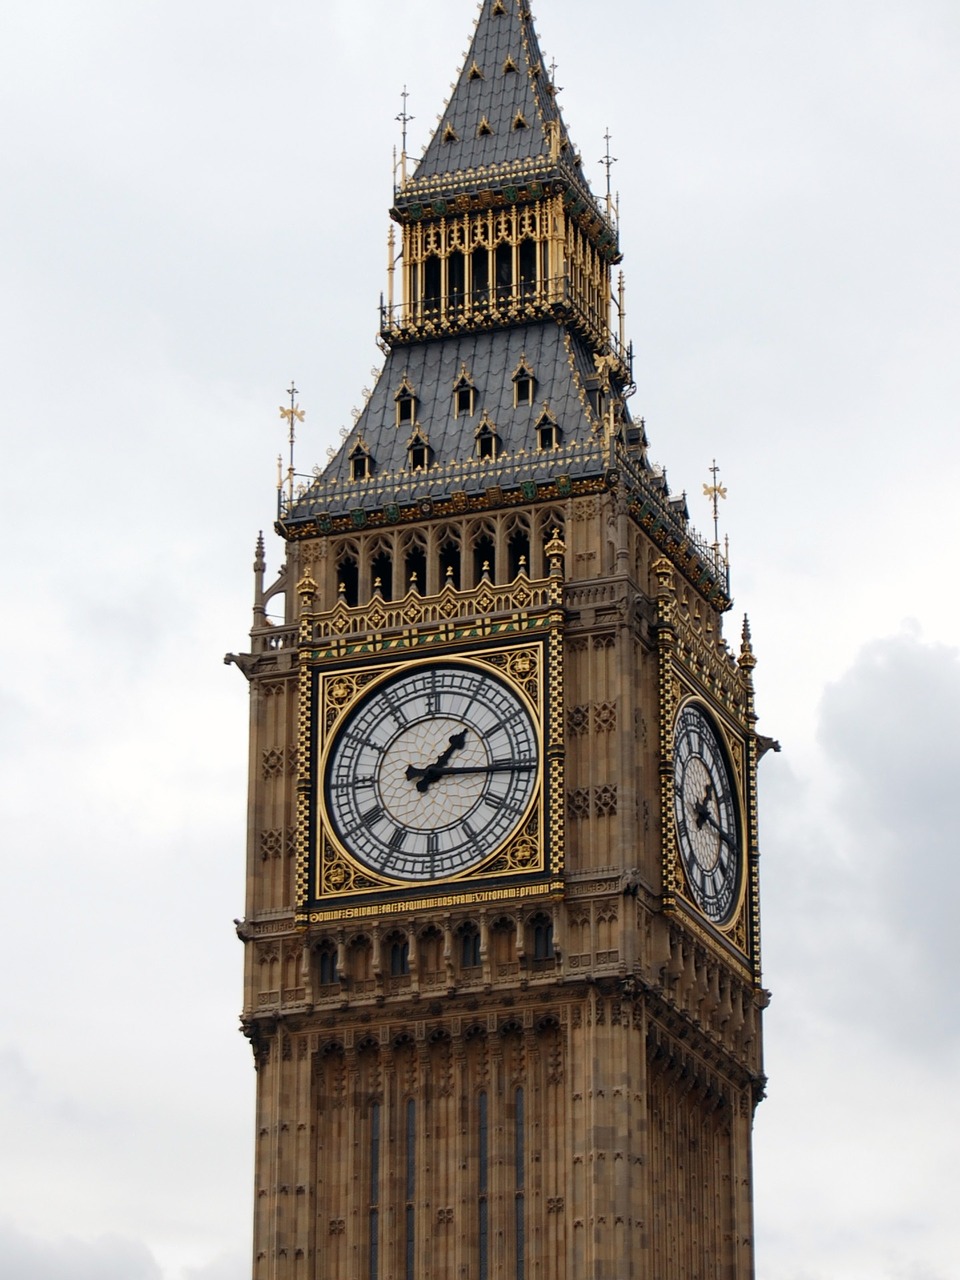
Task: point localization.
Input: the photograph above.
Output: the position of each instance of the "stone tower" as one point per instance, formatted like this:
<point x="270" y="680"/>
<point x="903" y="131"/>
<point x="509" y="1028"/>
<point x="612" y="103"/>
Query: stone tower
<point x="502" y="975"/>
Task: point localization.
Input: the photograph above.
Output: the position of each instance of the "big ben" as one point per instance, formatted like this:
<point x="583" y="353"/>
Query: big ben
<point x="502" y="965"/>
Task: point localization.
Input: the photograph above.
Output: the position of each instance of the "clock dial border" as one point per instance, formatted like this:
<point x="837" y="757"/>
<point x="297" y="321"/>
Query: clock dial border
<point x="727" y="922"/>
<point x="530" y="855"/>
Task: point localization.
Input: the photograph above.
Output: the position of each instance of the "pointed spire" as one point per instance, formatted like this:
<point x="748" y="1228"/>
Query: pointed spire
<point x="502" y="118"/>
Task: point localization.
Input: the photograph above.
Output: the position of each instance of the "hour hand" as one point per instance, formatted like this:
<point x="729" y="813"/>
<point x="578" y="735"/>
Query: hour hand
<point x="433" y="771"/>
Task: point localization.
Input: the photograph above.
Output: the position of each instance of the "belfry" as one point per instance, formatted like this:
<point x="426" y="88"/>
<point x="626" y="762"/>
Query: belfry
<point x="502" y="965"/>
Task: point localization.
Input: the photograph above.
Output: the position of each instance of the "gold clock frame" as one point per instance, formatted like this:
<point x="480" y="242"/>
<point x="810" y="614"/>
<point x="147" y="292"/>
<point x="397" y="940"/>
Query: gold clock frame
<point x="331" y="882"/>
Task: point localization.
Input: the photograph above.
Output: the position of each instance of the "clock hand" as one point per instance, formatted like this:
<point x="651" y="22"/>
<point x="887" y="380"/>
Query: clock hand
<point x="704" y="815"/>
<point x="438" y="771"/>
<point x="432" y="771"/>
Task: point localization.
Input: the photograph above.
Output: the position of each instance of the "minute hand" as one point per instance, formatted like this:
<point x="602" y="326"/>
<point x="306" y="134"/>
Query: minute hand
<point x="704" y="815"/>
<point x="500" y="766"/>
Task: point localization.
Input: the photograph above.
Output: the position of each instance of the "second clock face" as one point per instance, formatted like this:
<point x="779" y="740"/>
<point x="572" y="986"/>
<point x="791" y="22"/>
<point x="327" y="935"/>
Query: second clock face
<point x="708" y="829"/>
<point x="432" y="771"/>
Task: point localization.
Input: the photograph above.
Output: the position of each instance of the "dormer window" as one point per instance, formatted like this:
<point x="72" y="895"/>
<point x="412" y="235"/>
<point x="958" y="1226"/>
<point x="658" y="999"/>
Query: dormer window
<point x="464" y="395"/>
<point x="509" y="66"/>
<point x="406" y="403"/>
<point x="419" y="453"/>
<point x="361" y="460"/>
<point x="487" y="440"/>
<point x="548" y="433"/>
<point x="524" y="384"/>
<point x="483" y="128"/>
<point x="475" y="72"/>
<point x="519" y="122"/>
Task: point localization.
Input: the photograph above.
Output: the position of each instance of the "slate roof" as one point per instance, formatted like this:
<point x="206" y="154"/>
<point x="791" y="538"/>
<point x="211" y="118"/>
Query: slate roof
<point x="561" y="364"/>
<point x="489" y="90"/>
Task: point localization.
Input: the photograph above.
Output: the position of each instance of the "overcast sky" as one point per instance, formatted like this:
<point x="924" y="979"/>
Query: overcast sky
<point x="193" y="211"/>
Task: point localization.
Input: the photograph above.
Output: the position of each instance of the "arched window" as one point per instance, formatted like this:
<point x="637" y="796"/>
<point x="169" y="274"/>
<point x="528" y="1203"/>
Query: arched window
<point x="399" y="958"/>
<point x="327" y="958"/>
<point x="542" y="937"/>
<point x="415" y="568"/>
<point x="469" y="946"/>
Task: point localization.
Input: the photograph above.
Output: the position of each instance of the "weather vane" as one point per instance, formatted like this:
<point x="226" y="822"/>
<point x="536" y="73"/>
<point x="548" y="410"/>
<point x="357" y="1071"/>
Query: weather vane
<point x="292" y="416"/>
<point x="715" y="492"/>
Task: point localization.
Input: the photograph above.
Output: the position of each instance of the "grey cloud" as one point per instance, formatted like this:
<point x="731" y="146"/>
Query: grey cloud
<point x="110" y="1257"/>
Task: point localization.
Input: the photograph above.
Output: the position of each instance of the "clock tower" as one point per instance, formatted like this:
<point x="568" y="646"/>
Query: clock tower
<point x="502" y="970"/>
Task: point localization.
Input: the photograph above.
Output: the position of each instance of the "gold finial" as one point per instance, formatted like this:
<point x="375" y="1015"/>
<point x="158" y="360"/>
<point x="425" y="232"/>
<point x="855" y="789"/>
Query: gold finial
<point x="715" y="492"/>
<point x="608" y="162"/>
<point x="404" y="119"/>
<point x="555" y="551"/>
<point x="747" y="657"/>
<point x="292" y="416"/>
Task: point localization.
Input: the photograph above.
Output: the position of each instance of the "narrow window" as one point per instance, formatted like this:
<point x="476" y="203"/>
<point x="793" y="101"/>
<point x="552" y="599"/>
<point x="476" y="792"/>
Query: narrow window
<point x="328" y="967"/>
<point x="406" y="408"/>
<point x="480" y="273"/>
<point x="450" y="564"/>
<point x="542" y="939"/>
<point x="519" y="1201"/>
<point x="456" y="269"/>
<point x="399" y="958"/>
<point x="482" y="1204"/>
<point x="361" y="463"/>
<point x="484" y="559"/>
<point x="349" y="580"/>
<point x="469" y="948"/>
<point x="524" y="384"/>
<point x="381" y="574"/>
<point x="411" y="1186"/>
<point x="487" y="440"/>
<point x="374" y="1191"/>
<point x="431" y="282"/>
<point x="528" y="267"/>
<point x="415" y="570"/>
<point x="518" y="549"/>
<point x="503" y="259"/>
<point x="548" y="433"/>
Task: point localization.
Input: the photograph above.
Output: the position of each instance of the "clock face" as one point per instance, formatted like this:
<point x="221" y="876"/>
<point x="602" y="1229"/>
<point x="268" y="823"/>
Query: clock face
<point x="708" y="829"/>
<point x="431" y="772"/>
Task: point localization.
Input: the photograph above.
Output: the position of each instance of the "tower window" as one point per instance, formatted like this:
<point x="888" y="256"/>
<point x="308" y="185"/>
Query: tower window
<point x="450" y="134"/>
<point x="519" y="122"/>
<point x="469" y="947"/>
<point x="361" y="461"/>
<point x="524" y="383"/>
<point x="406" y="403"/>
<point x="419" y="453"/>
<point x="328" y="966"/>
<point x="509" y="66"/>
<point x="483" y="128"/>
<point x="399" y="958"/>
<point x="487" y="440"/>
<point x="542" y="938"/>
<point x="548" y="433"/>
<point x="464" y="394"/>
<point x="475" y="72"/>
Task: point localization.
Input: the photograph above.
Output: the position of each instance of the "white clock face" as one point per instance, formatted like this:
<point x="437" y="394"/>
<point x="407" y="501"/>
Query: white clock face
<point x="432" y="771"/>
<point x="708" y="829"/>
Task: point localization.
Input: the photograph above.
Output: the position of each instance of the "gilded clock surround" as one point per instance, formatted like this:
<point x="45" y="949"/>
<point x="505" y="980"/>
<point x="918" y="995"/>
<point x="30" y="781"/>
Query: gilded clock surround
<point x="334" y="873"/>
<point x="548" y="1063"/>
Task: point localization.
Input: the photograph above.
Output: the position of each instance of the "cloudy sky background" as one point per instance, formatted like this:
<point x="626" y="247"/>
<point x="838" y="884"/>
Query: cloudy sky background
<point x="193" y="210"/>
